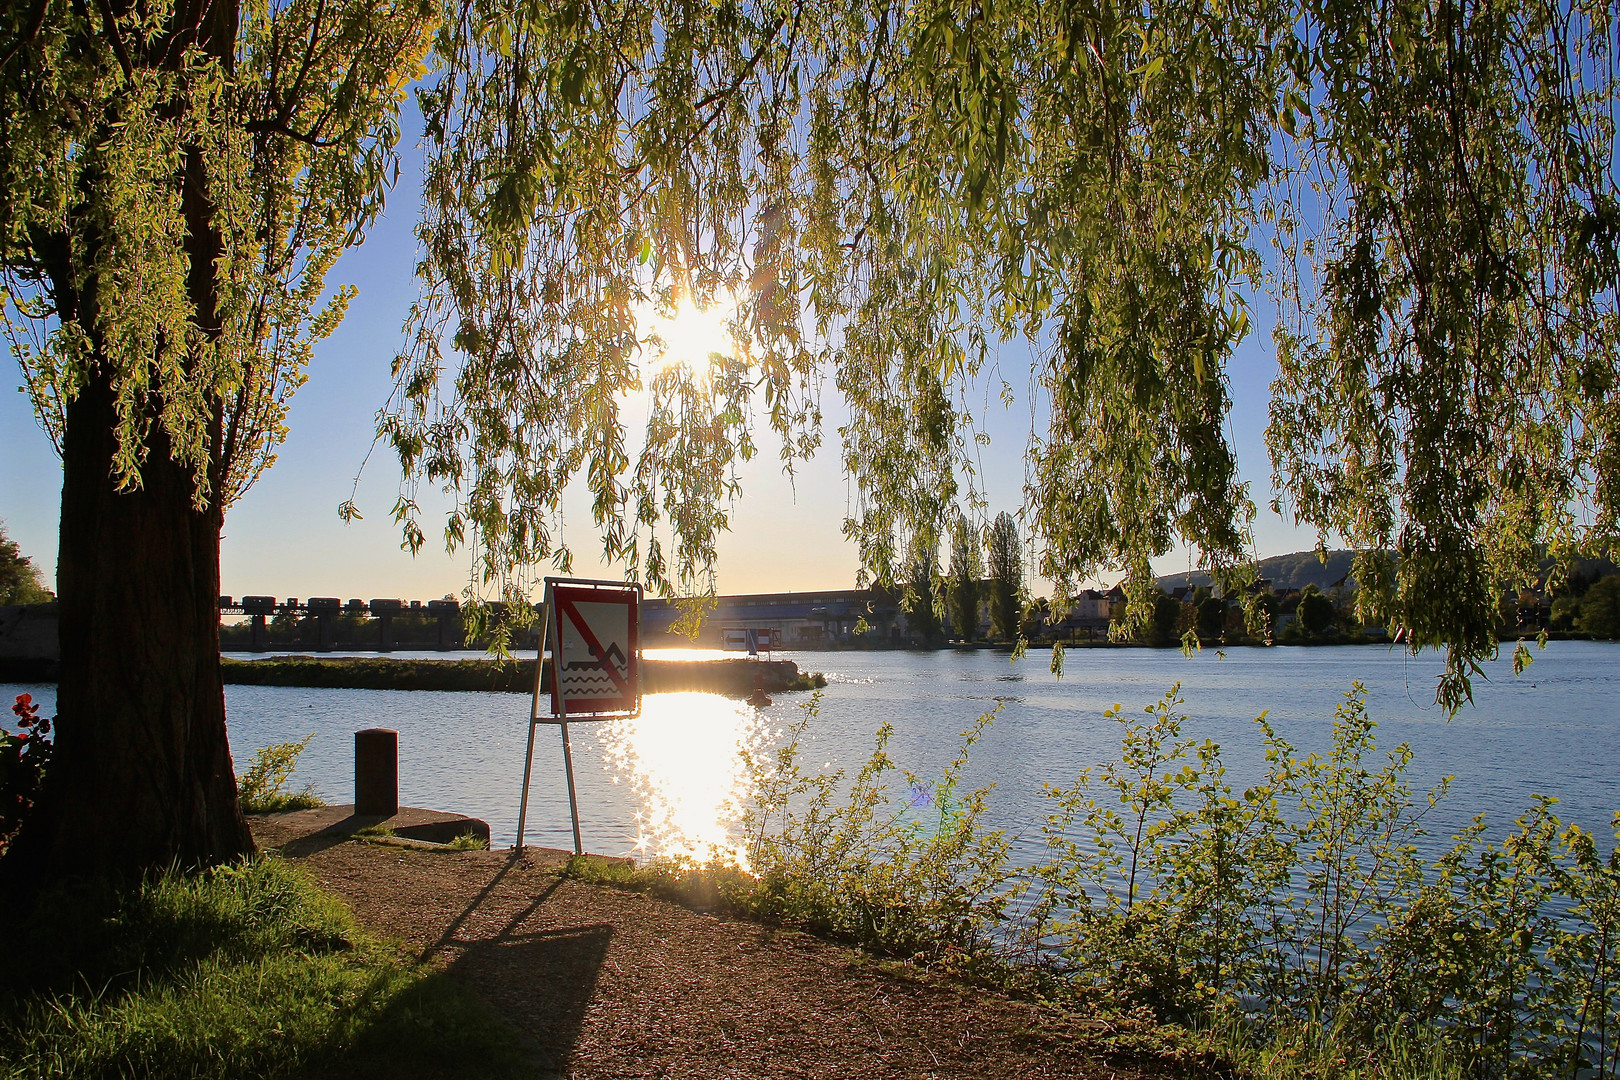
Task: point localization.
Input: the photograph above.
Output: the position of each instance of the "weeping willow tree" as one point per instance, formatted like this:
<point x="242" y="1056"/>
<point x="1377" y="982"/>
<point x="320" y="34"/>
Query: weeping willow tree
<point x="880" y="194"/>
<point x="175" y="183"/>
<point x="873" y="195"/>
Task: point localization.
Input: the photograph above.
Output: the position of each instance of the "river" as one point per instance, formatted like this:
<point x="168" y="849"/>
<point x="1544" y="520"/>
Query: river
<point x="670" y="780"/>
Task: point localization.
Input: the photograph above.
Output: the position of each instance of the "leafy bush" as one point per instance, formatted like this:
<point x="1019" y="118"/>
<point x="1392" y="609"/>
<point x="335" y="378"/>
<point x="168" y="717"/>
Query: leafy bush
<point x="262" y="788"/>
<point x="1298" y="912"/>
<point x="913" y="877"/>
<point x="1291" y="925"/>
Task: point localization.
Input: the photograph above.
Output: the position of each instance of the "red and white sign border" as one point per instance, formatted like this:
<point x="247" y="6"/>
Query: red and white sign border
<point x="561" y="603"/>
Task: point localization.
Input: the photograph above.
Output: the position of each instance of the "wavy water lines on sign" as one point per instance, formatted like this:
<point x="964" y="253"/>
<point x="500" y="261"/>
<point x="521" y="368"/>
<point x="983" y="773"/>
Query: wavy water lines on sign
<point x="682" y="760"/>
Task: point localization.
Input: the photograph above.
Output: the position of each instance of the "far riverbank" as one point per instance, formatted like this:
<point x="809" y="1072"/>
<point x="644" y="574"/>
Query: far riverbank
<point x="730" y="677"/>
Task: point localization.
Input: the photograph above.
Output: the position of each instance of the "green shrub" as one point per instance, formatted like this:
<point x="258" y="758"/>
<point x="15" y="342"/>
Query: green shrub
<point x="262" y="788"/>
<point x="1297" y="916"/>
<point x="913" y="877"/>
<point x="1290" y="926"/>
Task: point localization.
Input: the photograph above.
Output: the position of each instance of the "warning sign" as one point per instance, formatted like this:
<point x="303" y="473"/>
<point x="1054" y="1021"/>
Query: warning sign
<point x="595" y="632"/>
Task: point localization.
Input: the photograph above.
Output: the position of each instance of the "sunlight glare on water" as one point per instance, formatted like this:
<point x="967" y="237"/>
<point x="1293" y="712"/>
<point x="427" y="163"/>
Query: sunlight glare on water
<point x="694" y="653"/>
<point x="682" y="760"/>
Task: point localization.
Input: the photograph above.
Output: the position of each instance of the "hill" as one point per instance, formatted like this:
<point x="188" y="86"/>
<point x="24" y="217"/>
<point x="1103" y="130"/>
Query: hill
<point x="1302" y="568"/>
<point x="1285" y="572"/>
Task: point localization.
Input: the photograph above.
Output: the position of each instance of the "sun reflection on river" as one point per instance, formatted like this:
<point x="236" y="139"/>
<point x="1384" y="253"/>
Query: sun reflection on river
<point x="681" y="759"/>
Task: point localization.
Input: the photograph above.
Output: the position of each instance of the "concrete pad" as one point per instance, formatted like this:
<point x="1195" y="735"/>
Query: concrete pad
<point x="301" y="832"/>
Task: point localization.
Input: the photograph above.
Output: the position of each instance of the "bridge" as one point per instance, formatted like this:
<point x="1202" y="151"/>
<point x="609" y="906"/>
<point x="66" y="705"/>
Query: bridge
<point x="325" y="610"/>
<point x="813" y="620"/>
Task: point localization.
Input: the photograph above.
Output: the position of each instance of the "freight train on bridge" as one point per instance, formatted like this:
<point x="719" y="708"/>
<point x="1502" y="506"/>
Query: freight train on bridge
<point x="325" y="610"/>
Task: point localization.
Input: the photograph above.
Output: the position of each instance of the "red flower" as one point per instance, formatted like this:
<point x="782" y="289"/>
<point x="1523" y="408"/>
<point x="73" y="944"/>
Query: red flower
<point x="27" y="712"/>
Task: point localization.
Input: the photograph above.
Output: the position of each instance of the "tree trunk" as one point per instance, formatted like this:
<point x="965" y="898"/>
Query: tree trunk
<point x="142" y="775"/>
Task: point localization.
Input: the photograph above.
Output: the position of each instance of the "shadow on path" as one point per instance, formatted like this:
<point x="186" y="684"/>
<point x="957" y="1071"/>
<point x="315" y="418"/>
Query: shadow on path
<point x="513" y="860"/>
<point x="542" y="982"/>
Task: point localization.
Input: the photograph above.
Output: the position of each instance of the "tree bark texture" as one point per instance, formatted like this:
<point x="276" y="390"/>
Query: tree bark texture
<point x="142" y="773"/>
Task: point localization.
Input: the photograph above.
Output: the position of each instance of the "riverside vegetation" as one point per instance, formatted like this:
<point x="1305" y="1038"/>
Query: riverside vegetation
<point x="1287" y="930"/>
<point x="262" y="789"/>
<point x="1290" y="929"/>
<point x="734" y="676"/>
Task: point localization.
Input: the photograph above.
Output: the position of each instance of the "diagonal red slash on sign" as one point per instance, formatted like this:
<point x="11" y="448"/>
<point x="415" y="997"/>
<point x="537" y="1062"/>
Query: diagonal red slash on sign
<point x="566" y="606"/>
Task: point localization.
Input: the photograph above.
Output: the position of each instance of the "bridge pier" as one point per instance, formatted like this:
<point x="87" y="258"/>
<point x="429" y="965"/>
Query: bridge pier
<point x="384" y="611"/>
<point x="257" y="608"/>
<point x="446" y="612"/>
<point x="324" y="609"/>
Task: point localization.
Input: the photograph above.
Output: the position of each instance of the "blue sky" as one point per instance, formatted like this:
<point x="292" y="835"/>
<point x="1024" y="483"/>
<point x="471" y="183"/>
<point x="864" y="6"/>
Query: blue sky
<point x="284" y="538"/>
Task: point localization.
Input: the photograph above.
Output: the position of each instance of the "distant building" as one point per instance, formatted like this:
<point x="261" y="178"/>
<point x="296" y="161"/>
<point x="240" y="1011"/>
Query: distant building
<point x="1088" y="617"/>
<point x="1092" y="605"/>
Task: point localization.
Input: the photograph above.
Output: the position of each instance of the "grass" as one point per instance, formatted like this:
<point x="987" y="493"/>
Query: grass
<point x="1309" y="1051"/>
<point x="282" y="801"/>
<point x="699" y="887"/>
<point x="242" y="971"/>
<point x="462" y="842"/>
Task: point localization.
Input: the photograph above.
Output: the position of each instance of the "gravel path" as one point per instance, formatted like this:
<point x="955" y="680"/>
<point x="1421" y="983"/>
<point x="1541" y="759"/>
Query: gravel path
<point x="605" y="983"/>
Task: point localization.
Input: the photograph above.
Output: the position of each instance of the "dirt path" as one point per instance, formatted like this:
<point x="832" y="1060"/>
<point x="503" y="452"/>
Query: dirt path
<point x="605" y="983"/>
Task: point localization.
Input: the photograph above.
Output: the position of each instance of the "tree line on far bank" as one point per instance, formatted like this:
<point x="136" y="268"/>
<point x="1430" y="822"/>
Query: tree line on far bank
<point x="20" y="579"/>
<point x="983" y="589"/>
<point x="986" y="574"/>
<point x="985" y="599"/>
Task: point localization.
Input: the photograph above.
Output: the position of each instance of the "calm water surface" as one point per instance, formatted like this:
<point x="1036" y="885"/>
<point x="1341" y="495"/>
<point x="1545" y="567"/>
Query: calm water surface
<point x="670" y="780"/>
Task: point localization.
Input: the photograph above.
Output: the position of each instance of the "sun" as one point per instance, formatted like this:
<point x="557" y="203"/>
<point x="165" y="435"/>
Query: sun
<point x="689" y="336"/>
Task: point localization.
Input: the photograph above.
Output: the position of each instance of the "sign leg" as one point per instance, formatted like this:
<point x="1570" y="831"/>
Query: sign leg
<point x="573" y="801"/>
<point x="523" y="805"/>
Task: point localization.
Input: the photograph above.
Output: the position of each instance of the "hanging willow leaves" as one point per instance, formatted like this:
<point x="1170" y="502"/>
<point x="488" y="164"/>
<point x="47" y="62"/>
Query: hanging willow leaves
<point x="1447" y="399"/>
<point x="888" y="190"/>
<point x="123" y="124"/>
<point x="176" y="182"/>
<point x="885" y="193"/>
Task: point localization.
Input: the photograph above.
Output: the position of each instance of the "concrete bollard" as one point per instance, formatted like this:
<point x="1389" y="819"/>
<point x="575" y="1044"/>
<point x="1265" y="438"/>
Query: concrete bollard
<point x="376" y="772"/>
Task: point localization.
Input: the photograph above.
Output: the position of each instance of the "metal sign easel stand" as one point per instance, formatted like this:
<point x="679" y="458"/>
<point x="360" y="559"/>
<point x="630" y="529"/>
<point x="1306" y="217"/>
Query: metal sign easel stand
<point x="550" y="614"/>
